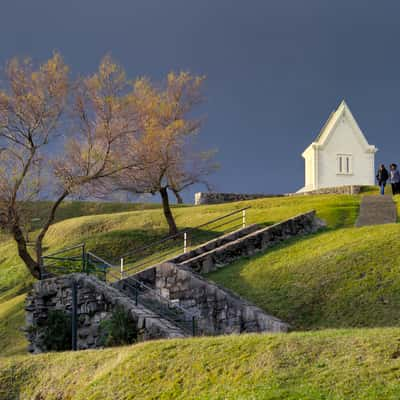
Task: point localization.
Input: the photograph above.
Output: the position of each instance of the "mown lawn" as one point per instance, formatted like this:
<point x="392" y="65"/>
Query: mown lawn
<point x="340" y="278"/>
<point x="328" y="365"/>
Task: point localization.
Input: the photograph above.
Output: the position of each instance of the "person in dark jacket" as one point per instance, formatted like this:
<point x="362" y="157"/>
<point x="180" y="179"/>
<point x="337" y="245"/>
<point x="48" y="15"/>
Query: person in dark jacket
<point x="395" y="179"/>
<point x="382" y="176"/>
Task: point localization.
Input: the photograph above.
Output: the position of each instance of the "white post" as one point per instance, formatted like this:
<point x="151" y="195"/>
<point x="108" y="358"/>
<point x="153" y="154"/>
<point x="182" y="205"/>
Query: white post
<point x="184" y="242"/>
<point x="244" y="218"/>
<point x="122" y="268"/>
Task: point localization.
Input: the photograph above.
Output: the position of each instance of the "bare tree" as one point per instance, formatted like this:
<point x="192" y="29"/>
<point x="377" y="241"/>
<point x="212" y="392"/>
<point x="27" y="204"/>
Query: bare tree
<point x="32" y="103"/>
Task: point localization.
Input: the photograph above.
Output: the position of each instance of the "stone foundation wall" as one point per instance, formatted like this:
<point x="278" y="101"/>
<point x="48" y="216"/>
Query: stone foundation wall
<point x="217" y="198"/>
<point x="218" y="310"/>
<point x="96" y="302"/>
<point x="257" y="241"/>
<point x="349" y="189"/>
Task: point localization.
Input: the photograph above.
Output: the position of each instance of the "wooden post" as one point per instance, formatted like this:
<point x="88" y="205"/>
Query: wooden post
<point x="185" y="242"/>
<point x="122" y="268"/>
<point x="84" y="266"/>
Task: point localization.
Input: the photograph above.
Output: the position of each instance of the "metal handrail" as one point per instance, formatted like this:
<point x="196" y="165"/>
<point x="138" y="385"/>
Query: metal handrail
<point x="188" y="314"/>
<point x="182" y="231"/>
<point x="130" y="281"/>
<point x="64" y="250"/>
<point x="100" y="259"/>
<point x="63" y="258"/>
<point x="154" y="292"/>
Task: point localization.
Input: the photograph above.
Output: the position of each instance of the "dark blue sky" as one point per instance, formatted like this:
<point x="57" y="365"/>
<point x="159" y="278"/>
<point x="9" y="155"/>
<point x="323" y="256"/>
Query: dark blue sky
<point x="275" y="69"/>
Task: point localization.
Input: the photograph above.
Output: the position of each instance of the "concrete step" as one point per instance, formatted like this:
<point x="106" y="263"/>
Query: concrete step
<point x="377" y="210"/>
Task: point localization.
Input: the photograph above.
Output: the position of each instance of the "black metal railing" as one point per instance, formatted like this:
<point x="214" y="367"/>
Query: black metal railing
<point x="185" y="240"/>
<point x="160" y="305"/>
<point x="74" y="259"/>
<point x="78" y="259"/>
<point x="65" y="261"/>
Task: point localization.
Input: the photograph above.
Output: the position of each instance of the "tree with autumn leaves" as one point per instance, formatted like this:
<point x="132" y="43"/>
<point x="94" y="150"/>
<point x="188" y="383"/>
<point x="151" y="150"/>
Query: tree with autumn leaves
<point x="87" y="136"/>
<point x="164" y="149"/>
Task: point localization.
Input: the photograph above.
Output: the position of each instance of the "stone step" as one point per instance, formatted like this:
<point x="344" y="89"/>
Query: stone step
<point x="377" y="210"/>
<point x="157" y="304"/>
<point x="218" y="311"/>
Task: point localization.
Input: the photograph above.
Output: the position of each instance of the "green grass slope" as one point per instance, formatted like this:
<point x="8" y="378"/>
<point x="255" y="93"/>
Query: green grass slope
<point x="74" y="209"/>
<point x="341" y="278"/>
<point x="329" y="365"/>
<point x="113" y="233"/>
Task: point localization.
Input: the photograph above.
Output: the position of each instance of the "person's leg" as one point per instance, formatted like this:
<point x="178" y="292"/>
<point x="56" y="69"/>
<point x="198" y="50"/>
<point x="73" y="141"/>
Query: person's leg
<point x="398" y="188"/>
<point x="393" y="189"/>
<point x="382" y="188"/>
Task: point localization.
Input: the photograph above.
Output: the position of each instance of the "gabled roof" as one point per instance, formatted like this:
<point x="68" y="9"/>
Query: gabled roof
<point x="329" y="127"/>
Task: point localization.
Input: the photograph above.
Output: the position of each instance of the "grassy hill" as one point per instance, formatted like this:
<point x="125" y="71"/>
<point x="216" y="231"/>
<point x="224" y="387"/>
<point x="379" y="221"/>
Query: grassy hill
<point x="111" y="234"/>
<point x="341" y="278"/>
<point x="329" y="365"/>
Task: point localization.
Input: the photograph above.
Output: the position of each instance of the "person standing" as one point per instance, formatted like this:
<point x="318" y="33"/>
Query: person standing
<point x="382" y="176"/>
<point x="395" y="179"/>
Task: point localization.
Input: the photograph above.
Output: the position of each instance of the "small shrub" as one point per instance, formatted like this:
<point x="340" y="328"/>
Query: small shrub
<point x="57" y="334"/>
<point x="118" y="330"/>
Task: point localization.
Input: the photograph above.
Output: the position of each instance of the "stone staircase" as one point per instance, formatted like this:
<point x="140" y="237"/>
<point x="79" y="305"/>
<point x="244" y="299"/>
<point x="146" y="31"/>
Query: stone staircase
<point x="95" y="302"/>
<point x="215" y="243"/>
<point x="217" y="310"/>
<point x="171" y="299"/>
<point x="142" y="294"/>
<point x="216" y="255"/>
<point x="377" y="210"/>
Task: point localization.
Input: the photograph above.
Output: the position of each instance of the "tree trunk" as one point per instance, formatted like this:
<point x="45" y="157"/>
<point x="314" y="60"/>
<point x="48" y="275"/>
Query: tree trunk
<point x="167" y="211"/>
<point x="178" y="196"/>
<point x="46" y="226"/>
<point x="34" y="266"/>
<point x="31" y="264"/>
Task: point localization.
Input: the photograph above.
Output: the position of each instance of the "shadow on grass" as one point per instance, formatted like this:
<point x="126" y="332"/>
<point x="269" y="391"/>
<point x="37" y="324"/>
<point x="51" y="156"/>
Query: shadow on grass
<point x="348" y="285"/>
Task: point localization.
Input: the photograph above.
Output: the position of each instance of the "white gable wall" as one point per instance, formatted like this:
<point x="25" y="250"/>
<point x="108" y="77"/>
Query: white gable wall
<point x="340" y="136"/>
<point x="343" y="140"/>
<point x="309" y="159"/>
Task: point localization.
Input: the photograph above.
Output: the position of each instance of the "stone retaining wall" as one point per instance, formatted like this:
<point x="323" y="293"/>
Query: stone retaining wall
<point x="257" y="241"/>
<point x="348" y="189"/>
<point x="96" y="302"/>
<point x="213" y="244"/>
<point x="218" y="310"/>
<point x="217" y="198"/>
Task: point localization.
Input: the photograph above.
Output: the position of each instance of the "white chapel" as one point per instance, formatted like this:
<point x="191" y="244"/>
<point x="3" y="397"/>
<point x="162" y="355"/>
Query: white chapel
<point x="340" y="155"/>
